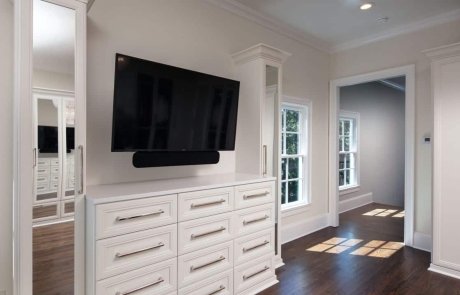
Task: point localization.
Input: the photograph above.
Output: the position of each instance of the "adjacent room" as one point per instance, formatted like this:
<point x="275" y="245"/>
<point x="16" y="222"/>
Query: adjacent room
<point x="192" y="147"/>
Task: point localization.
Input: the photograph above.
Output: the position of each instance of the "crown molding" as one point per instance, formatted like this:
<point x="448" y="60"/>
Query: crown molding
<point x="271" y="23"/>
<point x="410" y="28"/>
<point x="260" y="51"/>
<point x="443" y="52"/>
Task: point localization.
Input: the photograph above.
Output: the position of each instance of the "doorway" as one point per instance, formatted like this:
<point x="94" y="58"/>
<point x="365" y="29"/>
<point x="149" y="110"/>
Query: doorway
<point x="348" y="179"/>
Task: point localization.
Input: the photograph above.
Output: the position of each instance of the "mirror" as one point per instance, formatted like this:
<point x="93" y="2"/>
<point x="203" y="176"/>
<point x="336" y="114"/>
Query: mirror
<point x="54" y="117"/>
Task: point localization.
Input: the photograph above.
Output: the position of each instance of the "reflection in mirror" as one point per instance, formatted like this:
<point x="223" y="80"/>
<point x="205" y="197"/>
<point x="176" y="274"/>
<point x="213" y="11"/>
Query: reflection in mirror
<point x="54" y="116"/>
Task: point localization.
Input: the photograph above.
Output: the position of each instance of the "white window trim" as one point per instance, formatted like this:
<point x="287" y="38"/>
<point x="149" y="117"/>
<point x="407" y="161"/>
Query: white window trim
<point x="304" y="204"/>
<point x="353" y="188"/>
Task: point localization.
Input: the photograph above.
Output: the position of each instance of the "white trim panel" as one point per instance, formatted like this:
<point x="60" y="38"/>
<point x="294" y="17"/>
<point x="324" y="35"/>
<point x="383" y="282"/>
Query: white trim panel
<point x="303" y="228"/>
<point x="422" y="241"/>
<point x="355" y="202"/>
<point x="444" y="271"/>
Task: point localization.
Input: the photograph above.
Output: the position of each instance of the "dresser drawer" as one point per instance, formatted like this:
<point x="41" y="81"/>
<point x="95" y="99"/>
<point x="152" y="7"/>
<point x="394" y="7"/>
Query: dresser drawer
<point x="70" y="168"/>
<point x="132" y="251"/>
<point x="157" y="279"/>
<point x="43" y="162"/>
<point x="254" y="272"/>
<point x="43" y="187"/>
<point x="43" y="178"/>
<point x="45" y="211"/>
<point x="54" y="162"/>
<point x="67" y="208"/>
<point x="250" y="195"/>
<point x="130" y="216"/>
<point x="202" y="264"/>
<point x="43" y="170"/>
<point x="221" y="284"/>
<point x="251" y="220"/>
<point x="54" y="170"/>
<point x="205" y="203"/>
<point x="255" y="245"/>
<point x="205" y="232"/>
<point x="53" y="185"/>
<point x="54" y="177"/>
<point x="71" y="183"/>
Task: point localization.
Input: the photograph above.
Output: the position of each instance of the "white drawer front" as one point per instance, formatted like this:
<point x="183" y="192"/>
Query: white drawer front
<point x="254" y="219"/>
<point x="205" y="232"/>
<point x="71" y="183"/>
<point x="43" y="178"/>
<point x="254" y="272"/>
<point x="71" y="175"/>
<point x="255" y="245"/>
<point x="250" y="195"/>
<point x="202" y="264"/>
<point x="221" y="284"/>
<point x="54" y="169"/>
<point x="157" y="279"/>
<point x="54" y="177"/>
<point x="43" y="170"/>
<point x="70" y="168"/>
<point x="130" y="216"/>
<point x="205" y="203"/>
<point x="53" y="185"/>
<point x="54" y="162"/>
<point x="132" y="251"/>
<point x="43" y="187"/>
<point x="43" y="162"/>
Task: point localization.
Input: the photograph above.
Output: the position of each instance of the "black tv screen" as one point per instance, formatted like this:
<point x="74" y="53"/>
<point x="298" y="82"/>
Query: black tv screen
<point x="48" y="139"/>
<point x="163" y="108"/>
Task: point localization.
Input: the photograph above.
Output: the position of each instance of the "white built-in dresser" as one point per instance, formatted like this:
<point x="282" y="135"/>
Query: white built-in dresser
<point x="189" y="236"/>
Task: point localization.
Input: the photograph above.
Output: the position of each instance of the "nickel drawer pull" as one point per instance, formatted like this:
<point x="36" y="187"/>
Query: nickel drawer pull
<point x="255" y="220"/>
<point x="192" y="268"/>
<point x="119" y="255"/>
<point x="255" y="247"/>
<point x="140" y="215"/>
<point x="160" y="280"/>
<point x="207" y="204"/>
<point x="208" y="233"/>
<point x="41" y="170"/>
<point x="255" y="195"/>
<point x="222" y="287"/>
<point x="39" y="179"/>
<point x="256" y="273"/>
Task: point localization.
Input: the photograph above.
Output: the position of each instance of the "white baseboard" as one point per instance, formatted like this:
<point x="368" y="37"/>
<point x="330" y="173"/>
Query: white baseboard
<point x="422" y="241"/>
<point x="303" y="228"/>
<point x="355" y="202"/>
<point x="444" y="271"/>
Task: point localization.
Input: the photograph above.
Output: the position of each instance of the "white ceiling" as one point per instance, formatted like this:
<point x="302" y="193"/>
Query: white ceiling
<point x="338" y="23"/>
<point x="54" y="37"/>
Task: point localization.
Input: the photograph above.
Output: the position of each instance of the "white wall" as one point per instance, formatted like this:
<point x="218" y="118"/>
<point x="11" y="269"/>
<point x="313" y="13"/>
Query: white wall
<point x="381" y="152"/>
<point x="399" y="51"/>
<point x="6" y="145"/>
<point x="53" y="80"/>
<point x="195" y="35"/>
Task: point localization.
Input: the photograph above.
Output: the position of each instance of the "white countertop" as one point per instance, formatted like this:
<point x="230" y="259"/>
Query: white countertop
<point x="99" y="194"/>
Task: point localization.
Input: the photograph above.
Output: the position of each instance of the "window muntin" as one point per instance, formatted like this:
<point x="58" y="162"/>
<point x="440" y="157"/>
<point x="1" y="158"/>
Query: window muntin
<point x="293" y="155"/>
<point x="348" y="152"/>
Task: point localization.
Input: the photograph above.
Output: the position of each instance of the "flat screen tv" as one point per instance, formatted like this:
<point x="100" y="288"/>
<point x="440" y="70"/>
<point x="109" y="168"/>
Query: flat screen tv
<point x="48" y="139"/>
<point x="164" y="108"/>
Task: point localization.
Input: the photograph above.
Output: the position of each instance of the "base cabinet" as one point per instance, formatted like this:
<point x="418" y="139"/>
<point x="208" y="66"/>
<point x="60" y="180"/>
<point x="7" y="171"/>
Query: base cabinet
<point x="191" y="243"/>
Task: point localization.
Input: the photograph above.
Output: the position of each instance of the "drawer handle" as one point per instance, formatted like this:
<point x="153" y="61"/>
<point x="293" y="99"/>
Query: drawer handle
<point x="255" y="220"/>
<point x="119" y="255"/>
<point x="245" y="277"/>
<point x="208" y="233"/>
<point x="41" y="170"/>
<point x="192" y="268"/>
<point x="209" y="203"/>
<point x="222" y="287"/>
<point x="255" y="247"/>
<point x="40" y="187"/>
<point x="140" y="215"/>
<point x="255" y="195"/>
<point x="160" y="280"/>
<point x="41" y="179"/>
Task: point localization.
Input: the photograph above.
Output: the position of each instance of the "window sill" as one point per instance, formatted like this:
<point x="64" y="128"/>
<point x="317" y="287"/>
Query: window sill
<point x="294" y="210"/>
<point x="349" y="190"/>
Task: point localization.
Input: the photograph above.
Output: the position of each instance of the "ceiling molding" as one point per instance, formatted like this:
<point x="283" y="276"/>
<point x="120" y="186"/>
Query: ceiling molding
<point x="271" y="23"/>
<point x="260" y="51"/>
<point x="414" y="27"/>
<point x="443" y="52"/>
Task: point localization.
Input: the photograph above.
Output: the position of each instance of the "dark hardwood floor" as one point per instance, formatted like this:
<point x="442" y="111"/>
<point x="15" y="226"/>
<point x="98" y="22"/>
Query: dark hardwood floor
<point x="53" y="254"/>
<point x="404" y="272"/>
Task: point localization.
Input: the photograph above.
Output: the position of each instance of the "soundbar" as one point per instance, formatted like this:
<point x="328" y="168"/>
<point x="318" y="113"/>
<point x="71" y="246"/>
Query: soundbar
<point x="166" y="159"/>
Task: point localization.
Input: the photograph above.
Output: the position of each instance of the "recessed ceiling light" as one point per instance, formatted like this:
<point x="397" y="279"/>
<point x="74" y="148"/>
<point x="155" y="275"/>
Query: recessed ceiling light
<point x="366" y="6"/>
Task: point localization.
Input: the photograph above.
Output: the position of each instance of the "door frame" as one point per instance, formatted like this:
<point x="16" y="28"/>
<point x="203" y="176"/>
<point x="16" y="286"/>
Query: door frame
<point x="23" y="143"/>
<point x="334" y="114"/>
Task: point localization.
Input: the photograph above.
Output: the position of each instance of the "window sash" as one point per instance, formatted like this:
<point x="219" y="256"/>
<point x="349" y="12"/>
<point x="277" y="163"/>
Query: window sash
<point x="351" y="171"/>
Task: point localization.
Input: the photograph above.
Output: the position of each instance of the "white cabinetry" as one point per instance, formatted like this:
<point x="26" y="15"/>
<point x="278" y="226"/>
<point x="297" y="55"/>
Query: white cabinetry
<point x="446" y="159"/>
<point x="182" y="236"/>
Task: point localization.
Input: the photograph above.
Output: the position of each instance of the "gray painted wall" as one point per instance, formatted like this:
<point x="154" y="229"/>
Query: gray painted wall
<point x="382" y="136"/>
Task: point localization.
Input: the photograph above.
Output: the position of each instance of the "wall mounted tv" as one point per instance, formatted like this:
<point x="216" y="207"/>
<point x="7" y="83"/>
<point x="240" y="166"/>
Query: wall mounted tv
<point x="48" y="139"/>
<point x="163" y="108"/>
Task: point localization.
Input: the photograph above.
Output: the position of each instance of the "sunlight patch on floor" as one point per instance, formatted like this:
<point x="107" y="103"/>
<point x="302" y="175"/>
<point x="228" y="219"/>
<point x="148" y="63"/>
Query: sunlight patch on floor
<point x="384" y="213"/>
